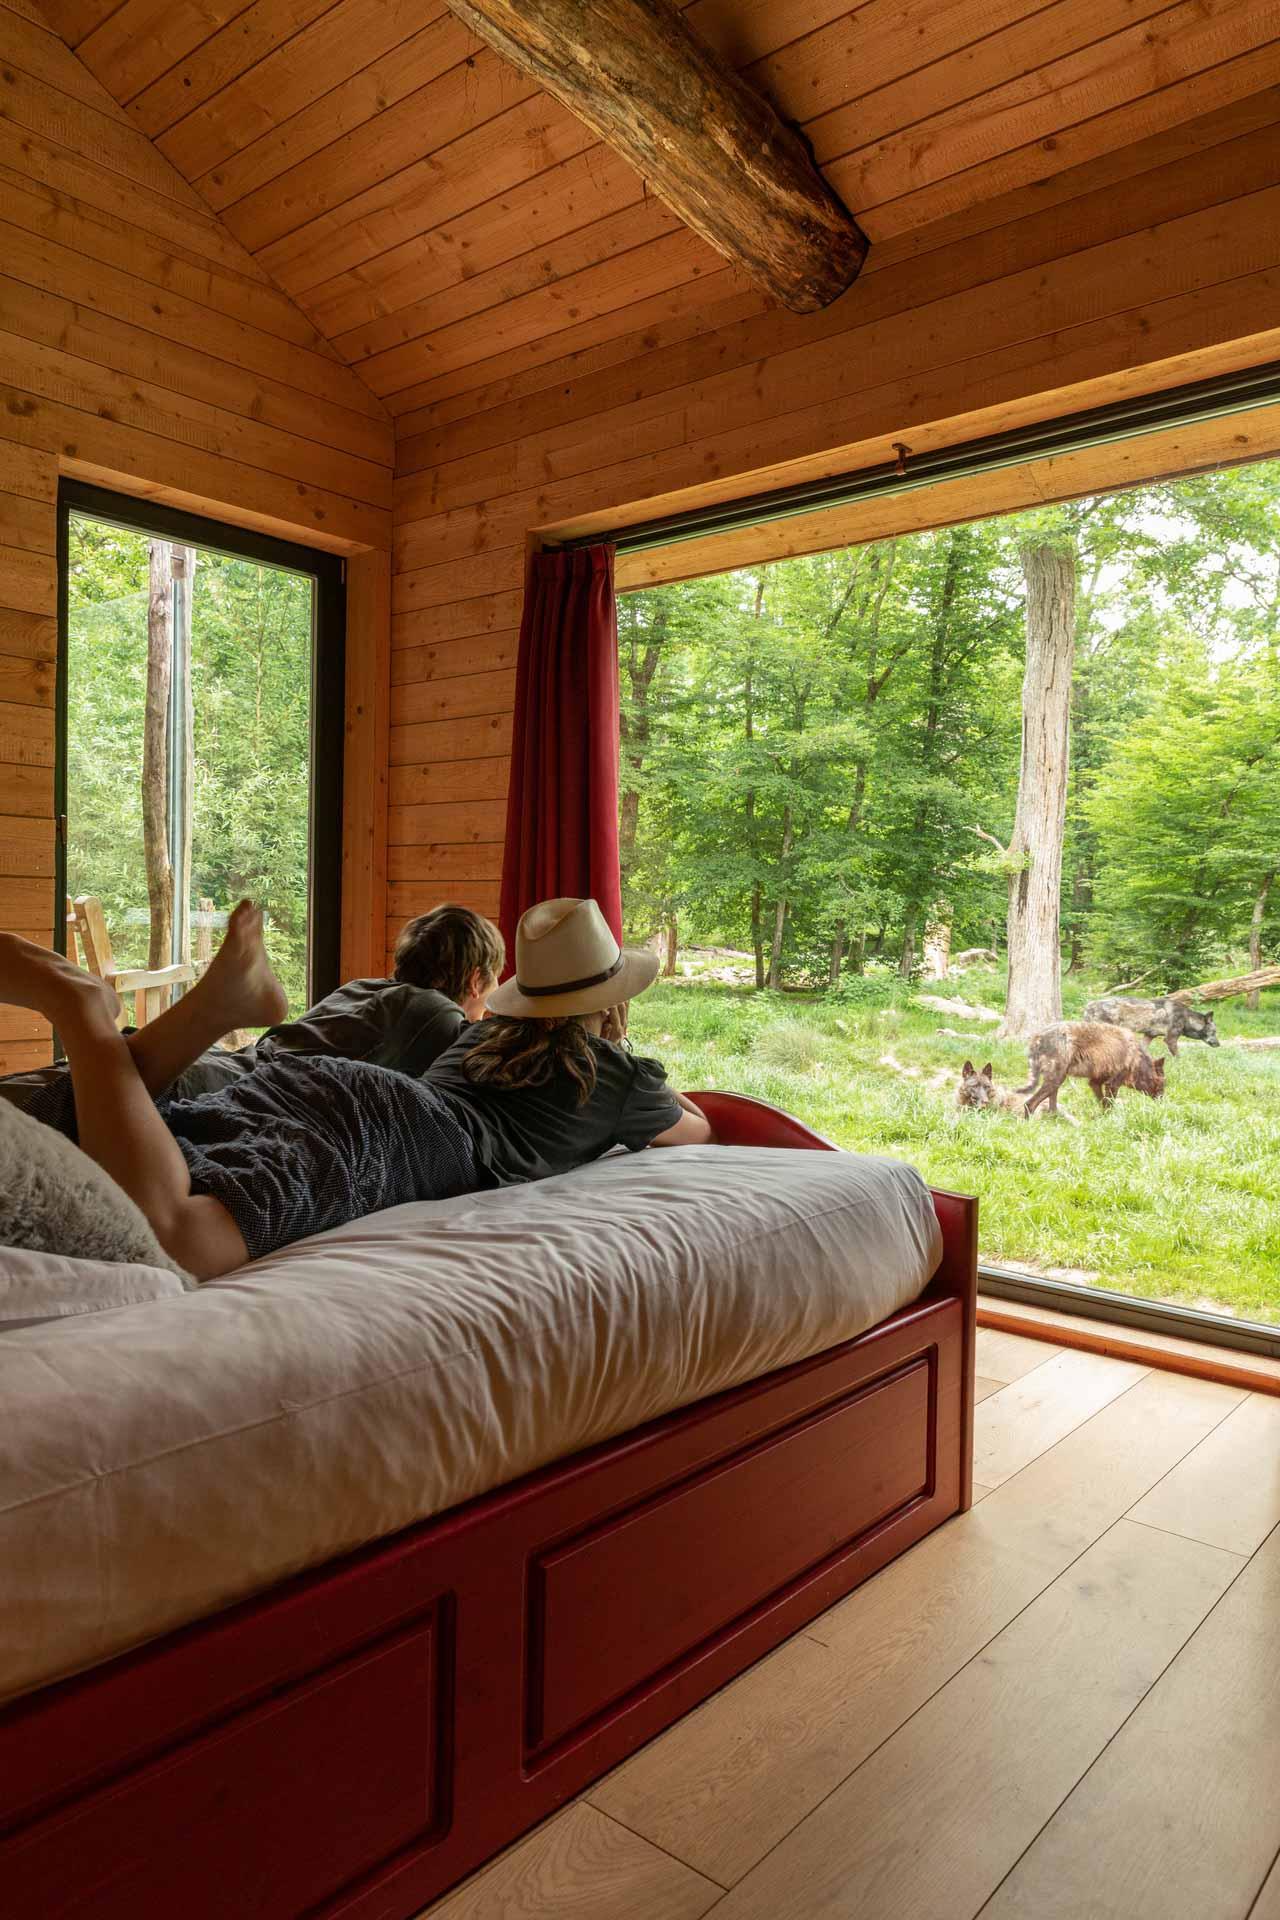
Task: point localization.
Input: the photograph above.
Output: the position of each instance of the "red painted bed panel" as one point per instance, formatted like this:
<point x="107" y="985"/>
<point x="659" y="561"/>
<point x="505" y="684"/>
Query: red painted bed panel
<point x="600" y="1624"/>
<point x="354" y="1742"/>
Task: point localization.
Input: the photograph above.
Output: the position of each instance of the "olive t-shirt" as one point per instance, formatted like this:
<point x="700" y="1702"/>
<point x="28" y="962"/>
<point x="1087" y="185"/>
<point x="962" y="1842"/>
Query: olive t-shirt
<point x="529" y="1133"/>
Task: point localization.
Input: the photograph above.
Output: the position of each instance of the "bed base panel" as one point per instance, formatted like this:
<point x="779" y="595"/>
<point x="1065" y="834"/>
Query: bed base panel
<point x="351" y="1744"/>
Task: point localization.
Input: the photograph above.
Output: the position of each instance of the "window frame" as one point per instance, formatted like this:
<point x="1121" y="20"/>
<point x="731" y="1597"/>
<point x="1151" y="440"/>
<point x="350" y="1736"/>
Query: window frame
<point x="327" y="715"/>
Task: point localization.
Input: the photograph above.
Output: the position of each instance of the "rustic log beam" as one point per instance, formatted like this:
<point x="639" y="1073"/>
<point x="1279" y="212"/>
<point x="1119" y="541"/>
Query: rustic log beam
<point x="707" y="144"/>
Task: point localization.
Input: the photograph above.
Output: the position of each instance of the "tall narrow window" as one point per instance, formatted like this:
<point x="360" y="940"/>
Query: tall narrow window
<point x="200" y="685"/>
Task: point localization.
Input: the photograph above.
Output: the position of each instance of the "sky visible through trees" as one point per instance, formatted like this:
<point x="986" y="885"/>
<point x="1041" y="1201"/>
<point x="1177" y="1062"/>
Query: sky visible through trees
<point x="813" y="750"/>
<point x="251" y="677"/>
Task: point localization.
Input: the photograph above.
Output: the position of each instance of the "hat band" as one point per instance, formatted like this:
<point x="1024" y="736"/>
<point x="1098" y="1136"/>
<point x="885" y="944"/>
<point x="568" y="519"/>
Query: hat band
<point x="570" y="986"/>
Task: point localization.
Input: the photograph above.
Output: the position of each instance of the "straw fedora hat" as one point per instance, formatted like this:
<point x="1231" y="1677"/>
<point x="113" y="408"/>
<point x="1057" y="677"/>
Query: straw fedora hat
<point x="567" y="961"/>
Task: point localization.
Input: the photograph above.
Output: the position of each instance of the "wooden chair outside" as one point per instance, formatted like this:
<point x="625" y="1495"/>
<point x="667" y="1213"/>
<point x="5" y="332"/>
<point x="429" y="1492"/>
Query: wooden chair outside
<point x="151" y="987"/>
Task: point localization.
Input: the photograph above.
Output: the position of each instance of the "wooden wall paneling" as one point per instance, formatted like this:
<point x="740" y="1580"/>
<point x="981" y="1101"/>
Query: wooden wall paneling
<point x="153" y="214"/>
<point x="490" y="160"/>
<point x="365" y="767"/>
<point x="144" y="350"/>
<point x="539" y="211"/>
<point x="1220" y="86"/>
<point x="546" y="424"/>
<point x="265" y="95"/>
<point x="211" y="66"/>
<point x="365" y="129"/>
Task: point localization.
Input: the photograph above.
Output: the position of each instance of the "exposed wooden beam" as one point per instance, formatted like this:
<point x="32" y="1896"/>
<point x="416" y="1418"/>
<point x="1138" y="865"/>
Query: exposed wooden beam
<point x="710" y="146"/>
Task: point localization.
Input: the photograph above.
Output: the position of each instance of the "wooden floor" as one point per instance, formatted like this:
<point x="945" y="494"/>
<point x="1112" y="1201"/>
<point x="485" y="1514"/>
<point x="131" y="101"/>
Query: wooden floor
<point x="1064" y="1705"/>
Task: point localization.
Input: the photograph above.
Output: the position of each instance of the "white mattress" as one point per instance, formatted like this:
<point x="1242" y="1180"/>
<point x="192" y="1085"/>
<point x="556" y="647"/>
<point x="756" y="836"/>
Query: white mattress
<point x="160" y="1461"/>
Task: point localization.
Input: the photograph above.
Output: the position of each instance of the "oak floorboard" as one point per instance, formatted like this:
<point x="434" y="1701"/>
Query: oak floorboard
<point x="1226" y="1493"/>
<point x="1031" y="1415"/>
<point x="930" y="1824"/>
<point x="580" y="1863"/>
<point x="984" y="1388"/>
<point x="1180" y="1818"/>
<point x="980" y="1492"/>
<point x="727" y="1783"/>
<point x="1007" y="1356"/>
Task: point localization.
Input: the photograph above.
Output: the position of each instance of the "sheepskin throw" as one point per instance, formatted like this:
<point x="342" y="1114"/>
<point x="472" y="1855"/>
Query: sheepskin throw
<point x="54" y="1199"/>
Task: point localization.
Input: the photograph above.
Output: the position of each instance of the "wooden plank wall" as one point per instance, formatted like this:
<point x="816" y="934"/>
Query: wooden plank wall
<point x="1141" y="269"/>
<point x="142" y="347"/>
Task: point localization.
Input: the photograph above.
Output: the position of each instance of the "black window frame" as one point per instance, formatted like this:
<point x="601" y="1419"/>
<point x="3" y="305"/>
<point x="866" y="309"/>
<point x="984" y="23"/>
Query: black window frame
<point x="327" y="706"/>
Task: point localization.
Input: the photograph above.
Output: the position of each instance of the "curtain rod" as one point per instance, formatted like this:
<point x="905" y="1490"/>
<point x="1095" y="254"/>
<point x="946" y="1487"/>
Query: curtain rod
<point x="1217" y="398"/>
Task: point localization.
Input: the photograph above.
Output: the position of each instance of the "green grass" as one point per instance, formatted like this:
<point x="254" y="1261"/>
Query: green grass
<point x="1173" y="1199"/>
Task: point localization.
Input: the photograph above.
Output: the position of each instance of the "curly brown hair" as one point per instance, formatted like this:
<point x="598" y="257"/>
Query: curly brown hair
<point x="528" y="1053"/>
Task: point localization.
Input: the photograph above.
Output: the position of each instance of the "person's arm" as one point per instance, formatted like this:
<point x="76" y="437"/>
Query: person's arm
<point x="692" y="1129"/>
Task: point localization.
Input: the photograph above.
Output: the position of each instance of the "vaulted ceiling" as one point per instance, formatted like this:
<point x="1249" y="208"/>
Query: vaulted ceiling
<point x="436" y="214"/>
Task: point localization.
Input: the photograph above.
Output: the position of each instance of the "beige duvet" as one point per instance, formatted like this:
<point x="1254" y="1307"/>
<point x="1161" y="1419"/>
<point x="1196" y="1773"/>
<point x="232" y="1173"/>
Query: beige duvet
<point x="160" y="1461"/>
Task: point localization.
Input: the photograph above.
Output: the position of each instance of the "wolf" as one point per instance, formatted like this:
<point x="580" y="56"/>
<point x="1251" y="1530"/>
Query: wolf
<point x="1107" y="1057"/>
<point x="979" y="1090"/>
<point x="1165" y="1019"/>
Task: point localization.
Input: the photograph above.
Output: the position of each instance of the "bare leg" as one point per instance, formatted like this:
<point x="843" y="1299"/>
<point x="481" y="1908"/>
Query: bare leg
<point x="119" y="1124"/>
<point x="214" y="1006"/>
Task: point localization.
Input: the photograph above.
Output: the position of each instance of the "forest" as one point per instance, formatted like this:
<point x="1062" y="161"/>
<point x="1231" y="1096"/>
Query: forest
<point x="250" y="646"/>
<point x="825" y="801"/>
<point x="820" y="757"/>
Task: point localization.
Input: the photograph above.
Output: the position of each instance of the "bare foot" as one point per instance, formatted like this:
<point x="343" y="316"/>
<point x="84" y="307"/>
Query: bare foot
<point x="239" y="980"/>
<point x="32" y="976"/>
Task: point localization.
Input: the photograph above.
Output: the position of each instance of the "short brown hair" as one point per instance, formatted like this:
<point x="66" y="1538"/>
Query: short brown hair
<point x="444" y="948"/>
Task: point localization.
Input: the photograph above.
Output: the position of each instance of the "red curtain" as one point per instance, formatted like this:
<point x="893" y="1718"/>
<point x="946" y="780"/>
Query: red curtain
<point x="562" y="809"/>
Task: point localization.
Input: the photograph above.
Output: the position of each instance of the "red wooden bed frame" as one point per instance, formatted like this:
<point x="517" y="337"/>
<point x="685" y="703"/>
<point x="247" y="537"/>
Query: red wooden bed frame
<point x="355" y="1741"/>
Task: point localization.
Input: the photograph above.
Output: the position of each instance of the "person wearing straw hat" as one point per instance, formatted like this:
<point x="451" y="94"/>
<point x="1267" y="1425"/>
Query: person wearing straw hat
<point x="305" y="1142"/>
<point x="539" y="1085"/>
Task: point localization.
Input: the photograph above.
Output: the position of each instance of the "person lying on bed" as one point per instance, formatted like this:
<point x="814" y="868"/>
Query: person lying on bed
<point x="447" y="962"/>
<point x="303" y="1142"/>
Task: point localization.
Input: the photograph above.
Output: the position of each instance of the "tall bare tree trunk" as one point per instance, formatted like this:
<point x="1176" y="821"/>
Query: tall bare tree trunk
<point x="780" y="911"/>
<point x="1034" y="998"/>
<point x="184" y="569"/>
<point x="1255" y="935"/>
<point x="155" y="754"/>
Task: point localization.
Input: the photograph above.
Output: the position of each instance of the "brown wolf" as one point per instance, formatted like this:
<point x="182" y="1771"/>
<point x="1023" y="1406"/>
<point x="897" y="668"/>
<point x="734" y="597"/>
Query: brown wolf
<point x="979" y="1090"/>
<point x="1107" y="1057"/>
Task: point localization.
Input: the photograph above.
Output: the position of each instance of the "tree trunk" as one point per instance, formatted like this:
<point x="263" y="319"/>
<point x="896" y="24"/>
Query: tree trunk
<point x="753" y="835"/>
<point x="1255" y="937"/>
<point x="780" y="911"/>
<point x="155" y="754"/>
<point x="907" y="957"/>
<point x="837" y="955"/>
<point x="1034" y="998"/>
<point x="184" y="569"/>
<point x="670" y="944"/>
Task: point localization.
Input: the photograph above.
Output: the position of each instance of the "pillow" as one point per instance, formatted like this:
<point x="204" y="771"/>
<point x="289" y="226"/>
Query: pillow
<point x="55" y="1199"/>
<point x="49" y="1286"/>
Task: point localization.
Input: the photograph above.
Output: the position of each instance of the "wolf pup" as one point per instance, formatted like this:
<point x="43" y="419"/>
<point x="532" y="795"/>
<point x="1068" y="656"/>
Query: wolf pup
<point x="1107" y="1057"/>
<point x="1165" y="1019"/>
<point x="979" y="1091"/>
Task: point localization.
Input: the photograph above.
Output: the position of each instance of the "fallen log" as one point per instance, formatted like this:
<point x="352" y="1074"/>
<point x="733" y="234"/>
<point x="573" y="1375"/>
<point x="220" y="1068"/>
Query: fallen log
<point x="961" y="1008"/>
<point x="1228" y="989"/>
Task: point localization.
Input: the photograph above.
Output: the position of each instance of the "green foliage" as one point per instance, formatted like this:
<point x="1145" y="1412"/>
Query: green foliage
<point x="809" y="747"/>
<point x="251" y="674"/>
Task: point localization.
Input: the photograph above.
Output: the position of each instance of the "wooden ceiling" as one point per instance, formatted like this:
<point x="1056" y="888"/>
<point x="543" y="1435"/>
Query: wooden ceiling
<point x="442" y="220"/>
